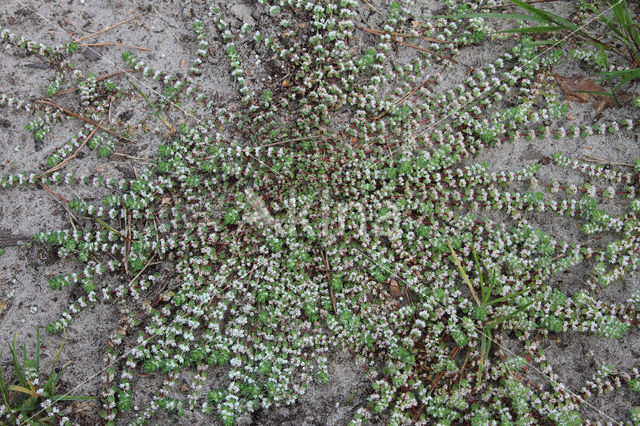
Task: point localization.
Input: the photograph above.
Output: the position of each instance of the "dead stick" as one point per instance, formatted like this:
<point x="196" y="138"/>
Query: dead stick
<point x="380" y="32"/>
<point x="165" y="22"/>
<point x="412" y="92"/>
<point x="152" y="105"/>
<point x="370" y="6"/>
<point x="55" y="194"/>
<point x="580" y="244"/>
<point x="61" y="17"/>
<point x="404" y="98"/>
<point x="85" y="119"/>
<point x="441" y="374"/>
<point x="419" y="412"/>
<point x="127" y="220"/>
<point x="593" y="159"/>
<point x="141" y="271"/>
<point x="115" y="44"/>
<point x="422" y="49"/>
<point x="328" y="269"/>
<point x="130" y="156"/>
<point x="109" y="28"/>
<point x="303" y="138"/>
<point x="464" y="364"/>
<point x="529" y="2"/>
<point x="72" y="156"/>
<point x="73" y="89"/>
<point x="71" y="216"/>
<point x="62" y="202"/>
<point x="97" y="219"/>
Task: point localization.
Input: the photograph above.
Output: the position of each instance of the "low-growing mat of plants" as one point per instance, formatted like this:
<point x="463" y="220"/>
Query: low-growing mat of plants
<point x="331" y="212"/>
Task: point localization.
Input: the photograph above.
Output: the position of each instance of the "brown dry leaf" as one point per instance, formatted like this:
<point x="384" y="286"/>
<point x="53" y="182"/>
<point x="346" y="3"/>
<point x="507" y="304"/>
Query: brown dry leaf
<point x="394" y="288"/>
<point x="574" y="89"/>
<point x="81" y="407"/>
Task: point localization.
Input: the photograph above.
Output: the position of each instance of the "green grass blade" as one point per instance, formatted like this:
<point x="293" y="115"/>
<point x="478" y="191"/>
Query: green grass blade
<point x="609" y="23"/>
<point x="494" y="273"/>
<point x="628" y="75"/>
<point x="619" y="15"/>
<point x="603" y="55"/>
<point x="631" y="29"/>
<point x="485" y="347"/>
<point x="618" y="73"/>
<point x="37" y="350"/>
<point x="72" y="398"/>
<point x="513" y="16"/>
<point x="591" y="92"/>
<point x="483" y="291"/>
<point x="502" y="319"/>
<point x="628" y="28"/>
<point x="621" y="20"/>
<point x="552" y="42"/>
<point x="49" y="386"/>
<point x="510" y="296"/>
<point x="547" y="16"/>
<point x="533" y="30"/>
<point x="464" y="274"/>
<point x="602" y="17"/>
<point x="598" y="45"/>
<point x="22" y="389"/>
<point x="5" y="392"/>
<point x="106" y="226"/>
<point x="58" y="377"/>
<point x="16" y="363"/>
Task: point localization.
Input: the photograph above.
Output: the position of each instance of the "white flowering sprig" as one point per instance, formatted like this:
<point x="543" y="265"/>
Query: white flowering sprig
<point x="314" y="216"/>
<point x="11" y="38"/>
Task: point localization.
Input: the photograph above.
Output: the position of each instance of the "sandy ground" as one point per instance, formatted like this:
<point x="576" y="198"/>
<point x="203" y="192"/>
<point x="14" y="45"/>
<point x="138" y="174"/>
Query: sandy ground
<point x="166" y="30"/>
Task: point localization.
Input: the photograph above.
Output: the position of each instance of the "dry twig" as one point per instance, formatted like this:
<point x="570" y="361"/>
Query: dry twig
<point x="380" y="32"/>
<point x="109" y="28"/>
<point x="72" y="156"/>
<point x="85" y="119"/>
<point x="328" y="269"/>
<point x="115" y="44"/>
<point x="593" y="159"/>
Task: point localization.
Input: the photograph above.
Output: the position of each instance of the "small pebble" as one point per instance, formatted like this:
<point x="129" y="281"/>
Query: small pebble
<point x="91" y="53"/>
